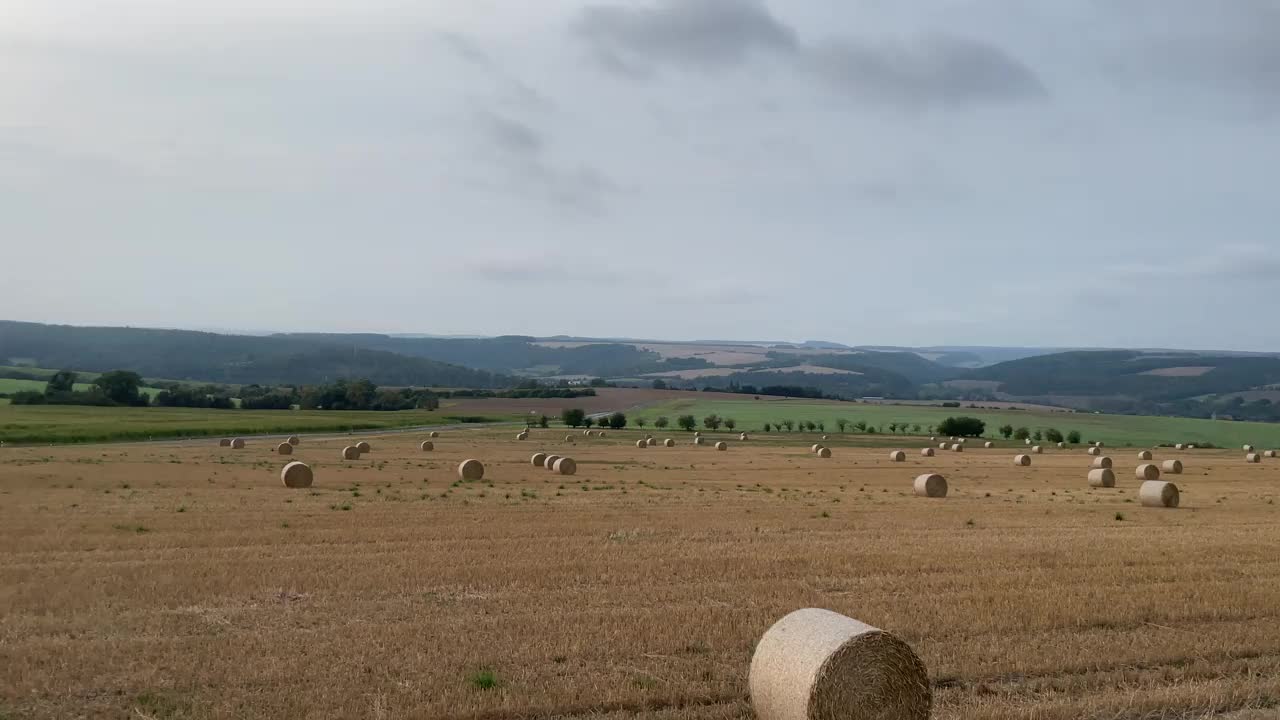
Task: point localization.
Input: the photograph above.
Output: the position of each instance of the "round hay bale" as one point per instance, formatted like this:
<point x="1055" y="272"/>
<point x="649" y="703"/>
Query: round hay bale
<point x="697" y="441"/>
<point x="963" y="440"/>
<point x="722" y="446"/>
<point x="988" y="444"/>
<point x="815" y="447"/>
<point x="586" y="432"/>
<point x="237" y="444"/>
<point x="931" y="485"/>
<point x="824" y="437"/>
<point x="1269" y="454"/>
<point x="284" y="448"/>
<point x="1173" y="467"/>
<point x="1157" y="493"/>
<point x="1247" y="448"/>
<point x="550" y="462"/>
<point x="697" y="433"/>
<point x="351" y="452"/>
<point x="427" y="446"/>
<point x="522" y="436"/>
<point x="1102" y="478"/>
<point x="1022" y="460"/>
<point x="819" y="664"/>
<point x="600" y="433"/>
<point x="927" y="452"/>
<point x="565" y="466"/>
<point x="824" y="452"/>
<point x="1037" y="450"/>
<point x="943" y="446"/>
<point x="1095" y="451"/>
<point x="1253" y="458"/>
<point x="897" y="456"/>
<point x="1147" y="472"/>
<point x="538" y="459"/>
<point x="1098" y="444"/>
<point x="471" y="470"/>
<point x="953" y="438"/>
<point x="1062" y="446"/>
<point x="651" y="442"/>
<point x="224" y="442"/>
<point x="1179" y="446"/>
<point x="648" y="437"/>
<point x="363" y="447"/>
<point x="296" y="475"/>
<point x="1144" y="455"/>
<point x="669" y="443"/>
<point x="1028" y="441"/>
<point x="568" y="438"/>
<point x="933" y="438"/>
<point x="294" y="440"/>
<point x="957" y="447"/>
<point x="434" y="434"/>
<point x="642" y="443"/>
<point x="743" y="437"/>
<point x="1191" y="447"/>
<point x="1101" y="463"/>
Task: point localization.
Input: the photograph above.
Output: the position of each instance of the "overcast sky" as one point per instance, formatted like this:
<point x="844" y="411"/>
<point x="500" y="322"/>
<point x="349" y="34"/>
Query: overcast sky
<point x="1092" y="172"/>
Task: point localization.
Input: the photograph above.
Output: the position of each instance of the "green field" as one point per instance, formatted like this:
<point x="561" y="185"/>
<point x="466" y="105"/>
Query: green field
<point x="9" y="386"/>
<point x="73" y="423"/>
<point x="1122" y="430"/>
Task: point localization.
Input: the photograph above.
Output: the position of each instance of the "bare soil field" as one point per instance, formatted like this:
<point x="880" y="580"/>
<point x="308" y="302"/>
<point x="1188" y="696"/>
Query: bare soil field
<point x="177" y="581"/>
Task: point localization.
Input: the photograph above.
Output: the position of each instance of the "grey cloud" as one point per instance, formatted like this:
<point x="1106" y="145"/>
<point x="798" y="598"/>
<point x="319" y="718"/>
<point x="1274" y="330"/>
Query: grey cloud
<point x="523" y="158"/>
<point x="684" y="33"/>
<point x="510" y="135"/>
<point x="938" y="70"/>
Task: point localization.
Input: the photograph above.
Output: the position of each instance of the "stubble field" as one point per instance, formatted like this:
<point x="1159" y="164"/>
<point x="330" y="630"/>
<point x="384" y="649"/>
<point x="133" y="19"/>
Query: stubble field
<point x="183" y="581"/>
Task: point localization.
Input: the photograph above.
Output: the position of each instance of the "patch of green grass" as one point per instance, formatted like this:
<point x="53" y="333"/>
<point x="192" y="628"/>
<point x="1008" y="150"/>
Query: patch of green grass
<point x="160" y="706"/>
<point x="139" y="529"/>
<point x="484" y="679"/>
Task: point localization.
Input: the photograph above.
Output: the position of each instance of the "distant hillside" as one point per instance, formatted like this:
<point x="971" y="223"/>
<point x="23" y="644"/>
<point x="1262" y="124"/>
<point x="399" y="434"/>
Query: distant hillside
<point x="235" y="359"/>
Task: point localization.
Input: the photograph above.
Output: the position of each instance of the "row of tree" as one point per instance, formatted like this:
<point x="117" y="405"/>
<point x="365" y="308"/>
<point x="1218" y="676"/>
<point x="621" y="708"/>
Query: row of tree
<point x="118" y="387"/>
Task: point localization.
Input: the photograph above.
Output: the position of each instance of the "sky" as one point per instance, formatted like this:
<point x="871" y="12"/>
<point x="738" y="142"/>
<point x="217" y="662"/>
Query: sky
<point x="999" y="172"/>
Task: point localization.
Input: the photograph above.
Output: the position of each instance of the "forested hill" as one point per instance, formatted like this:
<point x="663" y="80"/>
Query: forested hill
<point x="235" y="359"/>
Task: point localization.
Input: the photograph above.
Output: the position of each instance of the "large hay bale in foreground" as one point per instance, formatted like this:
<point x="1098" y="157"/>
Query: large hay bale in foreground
<point x="1173" y="467"/>
<point x="669" y="443"/>
<point x="471" y="470"/>
<point x="1102" y="478"/>
<point x="824" y="452"/>
<point x="565" y="466"/>
<point x="1147" y="472"/>
<point x="1022" y="460"/>
<point x="1095" y="451"/>
<point x="351" y="452"/>
<point x="294" y="440"/>
<point x="897" y="456"/>
<point x="538" y="459"/>
<point x="722" y="446"/>
<point x="1101" y="463"/>
<point x="1253" y="458"/>
<point x="296" y="475"/>
<point x="284" y="448"/>
<point x="927" y="452"/>
<point x="815" y="664"/>
<point x="363" y="447"/>
<point x="1144" y="455"/>
<point x="1157" y="493"/>
<point x="237" y="444"/>
<point x="427" y="446"/>
<point x="931" y="485"/>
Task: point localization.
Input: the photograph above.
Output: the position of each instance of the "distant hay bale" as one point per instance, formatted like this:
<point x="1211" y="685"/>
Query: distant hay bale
<point x="697" y="433"/>
<point x="434" y="434"/>
<point x="957" y="447"/>
<point x="1027" y="441"/>
<point x="648" y="437"/>
<point x="819" y="664"/>
<point x="599" y="433"/>
<point x="1062" y="446"/>
<point x="1144" y="455"/>
<point x="284" y="448"/>
<point x="296" y="475"/>
<point x="642" y="443"/>
<point x="963" y="440"/>
<point x="743" y="437"/>
<point x="1022" y="460"/>
<point x="427" y="446"/>
<point x="351" y="452"/>
<point x="237" y="444"/>
<point x="1095" y="451"/>
<point x="1098" y="444"/>
<point x="943" y="446"/>
<point x="1179" y="446"/>
<point x="522" y="436"/>
<point x="538" y="459"/>
<point x="1037" y="450"/>
<point x="1248" y="448"/>
<point x="1173" y="467"/>
<point x="550" y="462"/>
<point x="815" y="447"/>
<point x="565" y="466"/>
<point x="1157" y="493"/>
<point x="568" y="438"/>
<point x="363" y="447"/>
<point x="1269" y="454"/>
<point x="1101" y="463"/>
<point x="224" y="442"/>
<point x="897" y="456"/>
<point x="1102" y="478"/>
<point x="1147" y="472"/>
<point x="824" y="437"/>
<point x="294" y="440"/>
<point x="1253" y="458"/>
<point x="586" y="432"/>
<point x="722" y="446"/>
<point x="471" y="470"/>
<point x="931" y="485"/>
<point x="933" y="438"/>
<point x="651" y="442"/>
<point x="988" y="444"/>
<point x="824" y="452"/>
<point x="954" y="438"/>
<point x="927" y="452"/>
<point x="697" y="441"/>
<point x="1191" y="447"/>
<point x="669" y="443"/>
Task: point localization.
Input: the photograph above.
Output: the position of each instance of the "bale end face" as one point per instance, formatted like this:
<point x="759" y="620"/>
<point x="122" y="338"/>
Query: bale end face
<point x="471" y="470"/>
<point x="538" y="459"/>
<point x="1022" y="460"/>
<point x="931" y="485"/>
<point x="427" y="446"/>
<point x="1147" y="472"/>
<point x="897" y="456"/>
<point x="565" y="466"/>
<point x="1157" y="493"/>
<point x="224" y="442"/>
<point x="1173" y="467"/>
<point x="237" y="444"/>
<point x="294" y="440"/>
<point x="284" y="448"/>
<point x="350" y="452"/>
<point x="824" y="452"/>
<point x="1101" y="463"/>
<point x="927" y="452"/>
<point x="1144" y="455"/>
<point x="668" y="443"/>
<point x="363" y="447"/>
<point x="1253" y="458"/>
<point x="1102" y="478"/>
<point x="568" y="438"/>
<point x="722" y="446"/>
<point x="297" y="475"/>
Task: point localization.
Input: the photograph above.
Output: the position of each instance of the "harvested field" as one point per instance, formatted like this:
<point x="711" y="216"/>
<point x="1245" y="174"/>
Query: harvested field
<point x="605" y="400"/>
<point x="183" y="580"/>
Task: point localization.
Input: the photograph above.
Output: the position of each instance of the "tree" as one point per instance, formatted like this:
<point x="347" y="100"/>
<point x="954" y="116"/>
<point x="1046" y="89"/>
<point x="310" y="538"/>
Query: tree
<point x="617" y="421"/>
<point x="641" y="422"/>
<point x="822" y="427"/>
<point x="1007" y="431"/>
<point x="687" y="422"/>
<point x="788" y="424"/>
<point x="1073" y="437"/>
<point x="808" y="424"/>
<point x="962" y="427"/>
<point x="861" y="426"/>
<point x="588" y="421"/>
<point x="712" y="422"/>
<point x="730" y="423"/>
<point x="768" y="427"/>
<point x="1053" y="435"/>
<point x="893" y="427"/>
<point x="63" y="381"/>
<point x="842" y="424"/>
<point x="572" y="417"/>
<point x="1037" y="436"/>
<point x="661" y="422"/>
<point x="659" y="384"/>
<point x="121" y="386"/>
<point x="544" y="421"/>
<point x="1021" y="434"/>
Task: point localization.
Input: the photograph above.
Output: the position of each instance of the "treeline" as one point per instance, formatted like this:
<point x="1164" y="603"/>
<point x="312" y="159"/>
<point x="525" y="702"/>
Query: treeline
<point x="116" y="388"/>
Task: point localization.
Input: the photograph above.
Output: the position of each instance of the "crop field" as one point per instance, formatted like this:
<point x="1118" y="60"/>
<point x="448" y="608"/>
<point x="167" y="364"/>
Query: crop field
<point x="181" y="580"/>
<point x="13" y="385"/>
<point x="1126" y="430"/>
